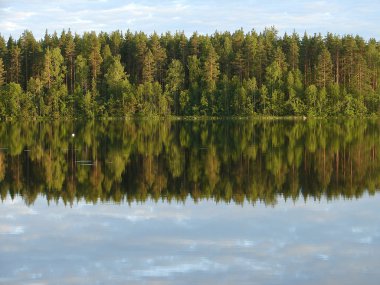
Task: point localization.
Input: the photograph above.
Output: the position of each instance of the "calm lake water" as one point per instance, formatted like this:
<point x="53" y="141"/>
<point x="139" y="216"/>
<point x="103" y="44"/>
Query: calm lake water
<point x="190" y="202"/>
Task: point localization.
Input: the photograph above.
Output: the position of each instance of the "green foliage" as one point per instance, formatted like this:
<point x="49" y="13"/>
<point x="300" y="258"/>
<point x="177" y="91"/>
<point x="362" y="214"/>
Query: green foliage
<point x="324" y="69"/>
<point x="223" y="74"/>
<point x="10" y="100"/>
<point x="2" y="72"/>
<point x="311" y="94"/>
<point x="175" y="81"/>
<point x="234" y="161"/>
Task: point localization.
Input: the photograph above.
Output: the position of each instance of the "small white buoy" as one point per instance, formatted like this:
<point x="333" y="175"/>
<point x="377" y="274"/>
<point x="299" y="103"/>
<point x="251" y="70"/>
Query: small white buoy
<point x="73" y="135"/>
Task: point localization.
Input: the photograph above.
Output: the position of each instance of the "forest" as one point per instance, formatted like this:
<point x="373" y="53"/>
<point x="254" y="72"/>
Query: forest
<point x="98" y="75"/>
<point x="228" y="161"/>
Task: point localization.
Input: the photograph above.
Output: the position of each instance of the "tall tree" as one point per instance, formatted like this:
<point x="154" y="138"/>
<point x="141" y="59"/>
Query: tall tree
<point x="30" y="56"/>
<point x="3" y="47"/>
<point x="140" y="50"/>
<point x="210" y="68"/>
<point x="95" y="60"/>
<point x="175" y="81"/>
<point x="324" y="69"/>
<point x="2" y="72"/>
<point x="53" y="78"/>
<point x="116" y="40"/>
<point x="239" y="60"/>
<point x="334" y="45"/>
<point x="148" y="68"/>
<point x="82" y="73"/>
<point x="291" y="46"/>
<point x="70" y="59"/>
<point x="373" y="59"/>
<point x="159" y="57"/>
<point x="210" y="76"/>
<point x="15" y="64"/>
<point x="119" y="88"/>
<point x="349" y="51"/>
<point x="250" y="51"/>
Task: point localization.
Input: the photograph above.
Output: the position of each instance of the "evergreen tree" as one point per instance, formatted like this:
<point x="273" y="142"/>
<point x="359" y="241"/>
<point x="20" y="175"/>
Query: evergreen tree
<point x="119" y="88"/>
<point x="148" y="69"/>
<point x="2" y="72"/>
<point x="82" y="73"/>
<point x="69" y="59"/>
<point x="324" y="69"/>
<point x="15" y="64"/>
<point x="210" y="75"/>
<point x="53" y="78"/>
<point x="159" y="57"/>
<point x="95" y="60"/>
<point x="175" y="80"/>
<point x="220" y="74"/>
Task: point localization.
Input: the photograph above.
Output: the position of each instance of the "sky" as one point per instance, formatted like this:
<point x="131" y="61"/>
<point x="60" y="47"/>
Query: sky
<point x="204" y="16"/>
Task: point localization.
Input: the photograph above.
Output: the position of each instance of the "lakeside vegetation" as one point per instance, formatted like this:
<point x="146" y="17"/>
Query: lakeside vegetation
<point x="223" y="74"/>
<point x="226" y="161"/>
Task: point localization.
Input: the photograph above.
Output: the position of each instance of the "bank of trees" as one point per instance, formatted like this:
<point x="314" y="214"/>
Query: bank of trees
<point x="223" y="74"/>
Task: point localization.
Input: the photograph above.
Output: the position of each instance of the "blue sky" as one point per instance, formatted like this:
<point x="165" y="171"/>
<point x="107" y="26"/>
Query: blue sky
<point x="207" y="16"/>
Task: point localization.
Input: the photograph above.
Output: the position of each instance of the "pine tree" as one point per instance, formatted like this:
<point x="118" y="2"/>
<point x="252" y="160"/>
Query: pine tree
<point x="3" y="47"/>
<point x="324" y="69"/>
<point x="210" y="69"/>
<point x="82" y="73"/>
<point x="260" y="63"/>
<point x="2" y="72"/>
<point x="334" y="45"/>
<point x="29" y="51"/>
<point x="95" y="60"/>
<point x="116" y="40"/>
<point x="15" y="64"/>
<point x="293" y="52"/>
<point x="140" y="50"/>
<point x="70" y="57"/>
<point x="159" y="57"/>
<point x="264" y="99"/>
<point x="119" y="88"/>
<point x="46" y="76"/>
<point x="148" y="69"/>
<point x="250" y="51"/>
<point x="175" y="81"/>
<point x="53" y="78"/>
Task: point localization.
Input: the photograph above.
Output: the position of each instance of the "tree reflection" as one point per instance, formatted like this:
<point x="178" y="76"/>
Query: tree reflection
<point x="227" y="160"/>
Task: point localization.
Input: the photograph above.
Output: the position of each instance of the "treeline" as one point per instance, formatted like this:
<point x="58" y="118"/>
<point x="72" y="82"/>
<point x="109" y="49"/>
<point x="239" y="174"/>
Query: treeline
<point x="223" y="74"/>
<point x="227" y="161"/>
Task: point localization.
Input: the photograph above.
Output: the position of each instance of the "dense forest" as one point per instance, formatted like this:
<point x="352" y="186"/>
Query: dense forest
<point x="240" y="161"/>
<point x="223" y="74"/>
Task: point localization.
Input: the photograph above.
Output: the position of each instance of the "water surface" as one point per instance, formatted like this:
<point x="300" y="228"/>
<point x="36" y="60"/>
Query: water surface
<point x="190" y="202"/>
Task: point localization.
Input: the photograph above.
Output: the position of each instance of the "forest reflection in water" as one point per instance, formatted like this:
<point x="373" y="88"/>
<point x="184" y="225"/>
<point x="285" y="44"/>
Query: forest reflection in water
<point x="240" y="161"/>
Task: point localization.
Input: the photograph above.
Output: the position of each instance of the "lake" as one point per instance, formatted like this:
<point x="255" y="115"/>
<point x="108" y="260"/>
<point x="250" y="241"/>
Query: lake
<point x="190" y="202"/>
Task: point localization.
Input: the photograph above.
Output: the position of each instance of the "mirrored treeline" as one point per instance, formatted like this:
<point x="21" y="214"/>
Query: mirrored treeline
<point x="239" y="161"/>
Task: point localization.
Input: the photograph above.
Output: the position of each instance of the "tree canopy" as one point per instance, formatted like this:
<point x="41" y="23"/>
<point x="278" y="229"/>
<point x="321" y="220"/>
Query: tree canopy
<point x="223" y="74"/>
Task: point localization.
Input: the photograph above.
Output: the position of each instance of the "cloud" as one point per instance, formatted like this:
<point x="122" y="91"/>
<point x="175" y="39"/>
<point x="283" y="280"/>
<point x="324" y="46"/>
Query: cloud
<point x="343" y="17"/>
<point x="204" y="265"/>
<point x="11" y="230"/>
<point x="116" y="244"/>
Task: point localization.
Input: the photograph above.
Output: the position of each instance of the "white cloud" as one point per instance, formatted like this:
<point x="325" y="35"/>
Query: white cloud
<point x="204" y="264"/>
<point x="21" y="16"/>
<point x="11" y="230"/>
<point x="202" y="16"/>
<point x="366" y="240"/>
